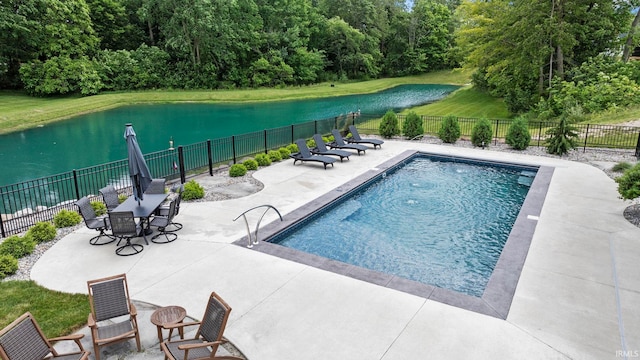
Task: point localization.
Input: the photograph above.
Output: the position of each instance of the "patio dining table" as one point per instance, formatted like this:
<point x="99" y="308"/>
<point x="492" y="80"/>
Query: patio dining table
<point x="148" y="205"/>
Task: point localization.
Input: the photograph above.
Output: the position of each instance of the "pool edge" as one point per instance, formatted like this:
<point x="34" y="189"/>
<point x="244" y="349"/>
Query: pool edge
<point x="498" y="294"/>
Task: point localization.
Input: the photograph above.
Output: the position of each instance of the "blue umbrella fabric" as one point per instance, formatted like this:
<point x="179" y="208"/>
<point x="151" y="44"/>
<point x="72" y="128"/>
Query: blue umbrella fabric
<point x="138" y="169"/>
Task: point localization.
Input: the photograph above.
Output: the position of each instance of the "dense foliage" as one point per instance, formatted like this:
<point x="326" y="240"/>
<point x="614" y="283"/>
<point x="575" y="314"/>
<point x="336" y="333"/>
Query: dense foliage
<point x="562" y="137"/>
<point x="55" y="47"/>
<point x="192" y="191"/>
<point x="8" y="266"/>
<point x="518" y="135"/>
<point x="629" y="183"/>
<point x="412" y="126"/>
<point x="237" y="170"/>
<point x="389" y="125"/>
<point x="250" y="164"/>
<point x="42" y="231"/>
<point x="449" y="131"/>
<point x="482" y="133"/>
<point x="17" y="246"/>
<point x="65" y="218"/>
<point x="523" y="48"/>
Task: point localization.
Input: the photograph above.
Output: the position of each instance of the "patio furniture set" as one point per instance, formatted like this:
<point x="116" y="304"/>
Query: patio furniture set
<point x="339" y="147"/>
<point x="155" y="209"/>
<point x="113" y="319"/>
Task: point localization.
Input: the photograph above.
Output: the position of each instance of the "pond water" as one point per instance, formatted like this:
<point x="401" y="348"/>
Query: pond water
<point x="97" y="138"/>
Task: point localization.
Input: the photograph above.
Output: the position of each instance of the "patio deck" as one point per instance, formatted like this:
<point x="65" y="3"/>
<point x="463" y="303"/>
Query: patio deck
<point x="576" y="299"/>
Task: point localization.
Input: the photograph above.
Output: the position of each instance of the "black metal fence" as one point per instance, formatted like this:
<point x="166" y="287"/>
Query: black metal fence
<point x="26" y="203"/>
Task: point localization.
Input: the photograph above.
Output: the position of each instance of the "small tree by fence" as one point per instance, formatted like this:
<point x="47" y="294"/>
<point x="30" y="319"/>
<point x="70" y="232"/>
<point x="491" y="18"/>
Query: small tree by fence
<point x="26" y="203"/>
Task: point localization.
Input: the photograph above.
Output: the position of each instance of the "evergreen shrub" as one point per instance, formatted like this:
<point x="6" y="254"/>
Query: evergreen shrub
<point x="250" y="164"/>
<point x="8" y="266"/>
<point x="66" y="218"/>
<point x="192" y="190"/>
<point x="17" y="246"/>
<point x="284" y="152"/>
<point x="389" y="125"/>
<point x="274" y="155"/>
<point x="518" y="136"/>
<point x="263" y="160"/>
<point x="412" y="125"/>
<point x="482" y="133"/>
<point x="562" y="138"/>
<point x="629" y="183"/>
<point x="449" y="131"/>
<point x="293" y="148"/>
<point x="237" y="170"/>
<point x="99" y="207"/>
<point x="42" y="231"/>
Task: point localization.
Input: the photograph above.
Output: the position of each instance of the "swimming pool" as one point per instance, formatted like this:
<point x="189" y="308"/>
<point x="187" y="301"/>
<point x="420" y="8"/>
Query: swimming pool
<point x="434" y="220"/>
<point x="497" y="287"/>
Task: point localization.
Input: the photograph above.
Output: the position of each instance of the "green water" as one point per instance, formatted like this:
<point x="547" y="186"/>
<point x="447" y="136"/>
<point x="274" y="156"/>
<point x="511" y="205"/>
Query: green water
<point x="97" y="138"/>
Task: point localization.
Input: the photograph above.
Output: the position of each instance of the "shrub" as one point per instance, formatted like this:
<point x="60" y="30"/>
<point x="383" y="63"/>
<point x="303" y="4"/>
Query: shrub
<point x="99" y="207"/>
<point x="562" y="138"/>
<point x="449" y="131"/>
<point x="250" y="164"/>
<point x="17" y="246"/>
<point x="482" y="133"/>
<point x="629" y="183"/>
<point x="8" y="266"/>
<point x="621" y="167"/>
<point x="389" y="125"/>
<point x="275" y="155"/>
<point x="263" y="160"/>
<point x="42" y="232"/>
<point x="66" y="218"/>
<point x="518" y="136"/>
<point x="311" y="143"/>
<point x="293" y="148"/>
<point x="122" y="198"/>
<point x="284" y="153"/>
<point x="237" y="170"/>
<point x="412" y="126"/>
<point x="192" y="190"/>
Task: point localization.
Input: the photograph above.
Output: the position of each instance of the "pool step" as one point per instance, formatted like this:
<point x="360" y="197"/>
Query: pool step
<point x="526" y="178"/>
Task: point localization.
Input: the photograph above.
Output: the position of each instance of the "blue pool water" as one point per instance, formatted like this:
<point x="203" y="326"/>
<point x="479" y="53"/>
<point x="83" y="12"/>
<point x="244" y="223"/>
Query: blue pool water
<point x="432" y="220"/>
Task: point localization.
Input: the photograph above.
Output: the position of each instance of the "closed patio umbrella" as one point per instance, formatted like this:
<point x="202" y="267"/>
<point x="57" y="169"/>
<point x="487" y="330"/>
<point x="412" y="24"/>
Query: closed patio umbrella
<point x="138" y="169"/>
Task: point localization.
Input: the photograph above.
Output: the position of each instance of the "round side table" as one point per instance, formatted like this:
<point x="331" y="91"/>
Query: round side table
<point x="166" y="316"/>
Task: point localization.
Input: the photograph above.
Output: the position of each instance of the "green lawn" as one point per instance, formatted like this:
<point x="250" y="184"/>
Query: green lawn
<point x="57" y="313"/>
<point x="19" y="111"/>
<point x="466" y="102"/>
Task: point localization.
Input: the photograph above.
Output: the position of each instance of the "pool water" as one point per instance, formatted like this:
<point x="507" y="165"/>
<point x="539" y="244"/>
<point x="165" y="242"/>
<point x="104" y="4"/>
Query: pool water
<point x="432" y="220"/>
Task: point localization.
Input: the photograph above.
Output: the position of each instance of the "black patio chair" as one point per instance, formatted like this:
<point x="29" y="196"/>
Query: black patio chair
<point x="321" y="149"/>
<point x="355" y="138"/>
<point x="110" y="197"/>
<point x="338" y="143"/>
<point x="162" y="222"/>
<point x="92" y="221"/>
<point x="304" y="154"/>
<point x="125" y="227"/>
<point x="157" y="186"/>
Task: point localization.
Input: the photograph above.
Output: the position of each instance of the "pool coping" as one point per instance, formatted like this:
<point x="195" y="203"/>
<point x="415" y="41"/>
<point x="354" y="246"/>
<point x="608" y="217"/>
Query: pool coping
<point x="498" y="295"/>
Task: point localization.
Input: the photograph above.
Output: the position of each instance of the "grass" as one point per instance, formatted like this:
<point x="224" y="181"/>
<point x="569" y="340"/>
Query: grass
<point x="19" y="111"/>
<point x="466" y="102"/>
<point x="57" y="313"/>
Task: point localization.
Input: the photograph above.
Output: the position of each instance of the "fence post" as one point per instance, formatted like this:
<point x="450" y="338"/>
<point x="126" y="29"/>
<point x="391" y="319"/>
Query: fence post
<point x="210" y="155"/>
<point x="495" y="141"/>
<point x="75" y="183"/>
<point x="335" y="122"/>
<point x="638" y="146"/>
<point x="586" y="137"/>
<point x="183" y="177"/>
<point x="266" y="147"/>
<point x="539" y="133"/>
<point x="4" y="235"/>
<point x="292" y="139"/>
<point x="233" y="147"/>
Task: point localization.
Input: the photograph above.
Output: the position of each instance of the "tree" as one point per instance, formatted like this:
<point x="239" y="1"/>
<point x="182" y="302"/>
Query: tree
<point x="412" y="126"/>
<point x="482" y="133"/>
<point x="520" y="46"/>
<point x="562" y="138"/>
<point x="518" y="136"/>
<point x="429" y="36"/>
<point x="389" y="125"/>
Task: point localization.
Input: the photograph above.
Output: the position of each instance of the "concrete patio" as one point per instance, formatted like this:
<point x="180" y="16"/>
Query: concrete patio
<point x="577" y="297"/>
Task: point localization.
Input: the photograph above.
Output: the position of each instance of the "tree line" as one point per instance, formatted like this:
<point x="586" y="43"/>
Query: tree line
<point x="52" y="47"/>
<point x="548" y="57"/>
